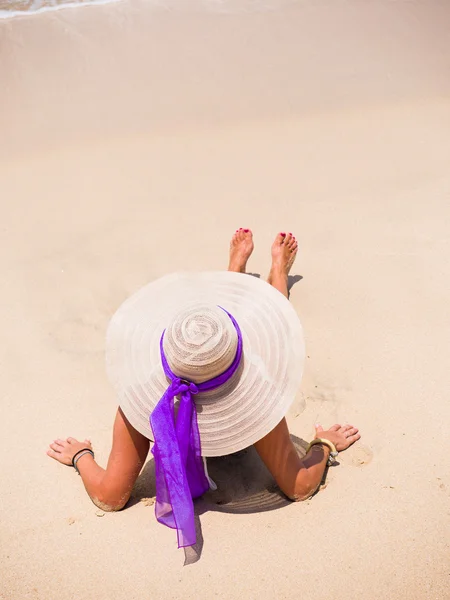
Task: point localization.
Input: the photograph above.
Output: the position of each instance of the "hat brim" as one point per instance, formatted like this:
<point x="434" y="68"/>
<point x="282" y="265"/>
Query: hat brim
<point x="250" y="405"/>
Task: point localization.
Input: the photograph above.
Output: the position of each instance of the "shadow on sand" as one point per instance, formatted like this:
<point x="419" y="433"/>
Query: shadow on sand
<point x="292" y="280"/>
<point x="244" y="486"/>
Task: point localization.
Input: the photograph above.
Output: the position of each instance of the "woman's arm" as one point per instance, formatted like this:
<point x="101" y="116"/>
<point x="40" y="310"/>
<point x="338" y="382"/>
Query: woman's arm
<point x="109" y="489"/>
<point x="299" y="478"/>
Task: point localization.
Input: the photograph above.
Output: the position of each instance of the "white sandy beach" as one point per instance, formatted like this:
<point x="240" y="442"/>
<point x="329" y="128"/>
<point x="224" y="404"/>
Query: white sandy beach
<point x="134" y="141"/>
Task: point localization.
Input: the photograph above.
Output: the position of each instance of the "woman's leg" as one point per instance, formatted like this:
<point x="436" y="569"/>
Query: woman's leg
<point x="298" y="478"/>
<point x="276" y="448"/>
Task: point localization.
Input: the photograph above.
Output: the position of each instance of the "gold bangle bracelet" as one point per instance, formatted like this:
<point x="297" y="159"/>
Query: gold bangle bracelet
<point x="330" y="445"/>
<point x="333" y="452"/>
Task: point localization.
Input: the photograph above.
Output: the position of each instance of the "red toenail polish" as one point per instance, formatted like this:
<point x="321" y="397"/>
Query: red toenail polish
<point x="283" y="234"/>
<point x="246" y="230"/>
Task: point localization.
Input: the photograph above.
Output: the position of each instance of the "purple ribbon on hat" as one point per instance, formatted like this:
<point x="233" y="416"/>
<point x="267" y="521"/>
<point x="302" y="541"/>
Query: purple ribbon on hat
<point x="179" y="470"/>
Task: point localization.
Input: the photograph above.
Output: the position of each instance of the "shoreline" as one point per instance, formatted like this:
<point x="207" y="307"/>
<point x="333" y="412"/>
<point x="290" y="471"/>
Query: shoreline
<point x="6" y="14"/>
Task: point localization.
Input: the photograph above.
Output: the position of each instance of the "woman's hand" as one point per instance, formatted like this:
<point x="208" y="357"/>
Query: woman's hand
<point x="64" y="451"/>
<point x="342" y="436"/>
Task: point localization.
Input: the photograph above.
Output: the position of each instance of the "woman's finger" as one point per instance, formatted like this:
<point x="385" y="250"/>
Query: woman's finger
<point x="351" y="432"/>
<point x="346" y="427"/>
<point x="335" y="427"/>
<point x="353" y="438"/>
<point x="55" y="447"/>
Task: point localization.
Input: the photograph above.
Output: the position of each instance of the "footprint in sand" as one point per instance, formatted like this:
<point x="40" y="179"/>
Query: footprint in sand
<point x="357" y="456"/>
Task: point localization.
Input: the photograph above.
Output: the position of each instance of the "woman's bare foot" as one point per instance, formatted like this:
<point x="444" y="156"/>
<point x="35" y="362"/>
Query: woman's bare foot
<point x="284" y="251"/>
<point x="64" y="450"/>
<point x="241" y="246"/>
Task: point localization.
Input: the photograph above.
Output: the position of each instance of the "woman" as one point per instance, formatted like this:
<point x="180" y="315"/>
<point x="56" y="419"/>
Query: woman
<point x="256" y="354"/>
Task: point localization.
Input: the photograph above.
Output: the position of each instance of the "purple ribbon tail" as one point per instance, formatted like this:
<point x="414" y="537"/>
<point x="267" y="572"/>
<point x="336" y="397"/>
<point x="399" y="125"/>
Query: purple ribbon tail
<point x="180" y="475"/>
<point x="179" y="469"/>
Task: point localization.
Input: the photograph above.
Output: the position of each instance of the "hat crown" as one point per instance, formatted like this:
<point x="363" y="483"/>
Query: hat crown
<point x="200" y="343"/>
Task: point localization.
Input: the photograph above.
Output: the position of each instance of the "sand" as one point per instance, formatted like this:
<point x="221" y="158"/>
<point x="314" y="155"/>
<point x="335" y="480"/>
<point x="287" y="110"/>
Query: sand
<point x="134" y="141"/>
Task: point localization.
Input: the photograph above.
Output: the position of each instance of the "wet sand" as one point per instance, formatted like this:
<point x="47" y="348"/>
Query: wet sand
<point x="134" y="142"/>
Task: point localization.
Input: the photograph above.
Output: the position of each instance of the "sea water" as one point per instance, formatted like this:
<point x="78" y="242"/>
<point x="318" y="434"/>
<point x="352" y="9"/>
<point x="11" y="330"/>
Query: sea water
<point x="13" y="8"/>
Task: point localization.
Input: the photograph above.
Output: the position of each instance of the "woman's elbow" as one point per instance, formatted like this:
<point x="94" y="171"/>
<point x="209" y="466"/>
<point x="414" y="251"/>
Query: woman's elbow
<point x="301" y="496"/>
<point x="303" y="489"/>
<point x="110" y="502"/>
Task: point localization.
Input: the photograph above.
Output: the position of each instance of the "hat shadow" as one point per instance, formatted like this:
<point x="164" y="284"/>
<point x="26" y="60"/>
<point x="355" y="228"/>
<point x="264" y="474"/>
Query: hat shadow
<point x="244" y="486"/>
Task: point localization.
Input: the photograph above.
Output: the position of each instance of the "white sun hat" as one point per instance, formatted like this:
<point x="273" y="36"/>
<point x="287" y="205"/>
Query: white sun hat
<point x="200" y="343"/>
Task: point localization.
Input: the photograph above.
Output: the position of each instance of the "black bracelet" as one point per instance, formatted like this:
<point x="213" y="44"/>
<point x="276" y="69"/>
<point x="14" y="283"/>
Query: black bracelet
<point x="79" y="452"/>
